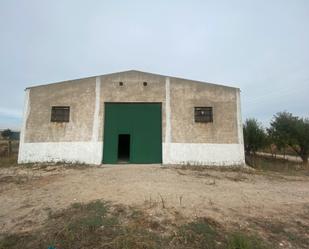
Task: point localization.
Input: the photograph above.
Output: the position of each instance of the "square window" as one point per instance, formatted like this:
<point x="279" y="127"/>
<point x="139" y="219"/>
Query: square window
<point x="60" y="114"/>
<point x="203" y="114"/>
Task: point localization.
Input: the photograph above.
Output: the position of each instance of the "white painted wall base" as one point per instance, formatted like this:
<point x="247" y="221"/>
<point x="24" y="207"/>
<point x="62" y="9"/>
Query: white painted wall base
<point x="70" y="152"/>
<point x="173" y="153"/>
<point x="203" y="154"/>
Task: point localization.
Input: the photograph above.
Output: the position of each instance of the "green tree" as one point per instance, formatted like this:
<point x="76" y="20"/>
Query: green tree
<point x="7" y="134"/>
<point x="279" y="141"/>
<point x="292" y="131"/>
<point x="254" y="136"/>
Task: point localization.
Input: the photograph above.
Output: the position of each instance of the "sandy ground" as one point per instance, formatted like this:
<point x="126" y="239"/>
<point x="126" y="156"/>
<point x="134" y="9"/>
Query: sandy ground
<point x="28" y="194"/>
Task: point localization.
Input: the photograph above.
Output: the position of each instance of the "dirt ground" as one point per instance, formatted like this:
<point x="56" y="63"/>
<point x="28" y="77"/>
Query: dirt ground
<point x="29" y="194"/>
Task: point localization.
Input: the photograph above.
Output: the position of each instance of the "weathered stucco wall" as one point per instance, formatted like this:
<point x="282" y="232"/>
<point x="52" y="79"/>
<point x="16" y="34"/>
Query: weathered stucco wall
<point x="79" y="95"/>
<point x="217" y="143"/>
<point x="81" y="139"/>
<point x="185" y="95"/>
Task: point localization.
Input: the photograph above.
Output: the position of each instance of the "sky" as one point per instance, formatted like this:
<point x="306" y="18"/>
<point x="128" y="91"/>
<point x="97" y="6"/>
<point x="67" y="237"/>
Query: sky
<point x="260" y="46"/>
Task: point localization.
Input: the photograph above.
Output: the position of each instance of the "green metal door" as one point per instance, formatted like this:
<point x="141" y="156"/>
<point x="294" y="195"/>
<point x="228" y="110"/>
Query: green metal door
<point x="141" y="124"/>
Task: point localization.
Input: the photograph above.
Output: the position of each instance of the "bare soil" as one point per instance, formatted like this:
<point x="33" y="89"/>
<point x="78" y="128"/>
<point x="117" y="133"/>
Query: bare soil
<point x="28" y="194"/>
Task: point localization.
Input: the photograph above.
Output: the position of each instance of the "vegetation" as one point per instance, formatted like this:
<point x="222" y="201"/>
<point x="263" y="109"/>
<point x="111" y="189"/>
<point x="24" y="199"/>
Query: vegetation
<point x="276" y="165"/>
<point x="288" y="130"/>
<point x="10" y="161"/>
<point x="7" y="134"/>
<point x="242" y="241"/>
<point x="101" y="225"/>
<point x="254" y="136"/>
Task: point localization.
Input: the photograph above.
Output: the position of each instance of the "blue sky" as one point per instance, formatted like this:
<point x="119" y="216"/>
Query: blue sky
<point x="260" y="46"/>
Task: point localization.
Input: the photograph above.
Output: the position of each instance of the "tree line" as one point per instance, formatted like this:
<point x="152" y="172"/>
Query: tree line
<point x="8" y="135"/>
<point x="286" y="131"/>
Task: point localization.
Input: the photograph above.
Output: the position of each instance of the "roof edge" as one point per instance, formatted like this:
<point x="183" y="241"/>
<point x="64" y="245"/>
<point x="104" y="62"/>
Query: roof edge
<point x="132" y="70"/>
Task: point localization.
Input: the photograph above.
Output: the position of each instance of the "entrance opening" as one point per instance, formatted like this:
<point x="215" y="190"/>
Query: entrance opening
<point x="123" y="148"/>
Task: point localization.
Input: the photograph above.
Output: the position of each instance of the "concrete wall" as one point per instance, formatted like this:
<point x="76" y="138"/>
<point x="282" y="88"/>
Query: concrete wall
<point x="185" y="95"/>
<point x="79" y="95"/>
<point x="217" y="143"/>
<point x="81" y="140"/>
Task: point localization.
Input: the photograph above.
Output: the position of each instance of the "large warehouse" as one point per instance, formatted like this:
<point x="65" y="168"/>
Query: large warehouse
<point x="132" y="117"/>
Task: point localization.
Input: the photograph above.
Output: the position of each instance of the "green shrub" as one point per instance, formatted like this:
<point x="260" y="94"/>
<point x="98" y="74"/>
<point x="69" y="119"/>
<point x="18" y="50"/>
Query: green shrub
<point x="241" y="241"/>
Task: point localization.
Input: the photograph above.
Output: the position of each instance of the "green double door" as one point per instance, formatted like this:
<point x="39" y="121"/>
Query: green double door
<point x="132" y="133"/>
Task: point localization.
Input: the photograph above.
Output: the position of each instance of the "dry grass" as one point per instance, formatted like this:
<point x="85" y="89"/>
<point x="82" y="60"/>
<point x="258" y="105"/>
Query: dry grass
<point x="292" y="234"/>
<point x="6" y="162"/>
<point x="268" y="164"/>
<point x="203" y="168"/>
<point x="99" y="224"/>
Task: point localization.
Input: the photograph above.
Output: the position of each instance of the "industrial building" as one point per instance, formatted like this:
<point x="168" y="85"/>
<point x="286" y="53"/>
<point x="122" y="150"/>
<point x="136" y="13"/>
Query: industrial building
<point x="132" y="117"/>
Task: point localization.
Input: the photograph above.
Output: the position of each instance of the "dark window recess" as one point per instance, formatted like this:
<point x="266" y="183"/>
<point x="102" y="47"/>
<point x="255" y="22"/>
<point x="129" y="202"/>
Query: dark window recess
<point x="203" y="114"/>
<point x="120" y="83"/>
<point x="145" y="83"/>
<point x="60" y="114"/>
